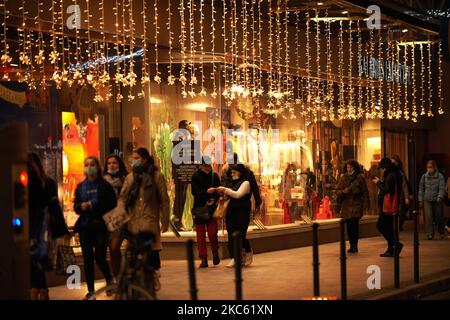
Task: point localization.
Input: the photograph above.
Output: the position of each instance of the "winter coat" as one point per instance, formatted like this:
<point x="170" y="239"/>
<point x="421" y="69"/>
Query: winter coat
<point x="226" y="181"/>
<point x="151" y="207"/>
<point x="391" y="183"/>
<point x="93" y="218"/>
<point x="431" y="187"/>
<point x="353" y="195"/>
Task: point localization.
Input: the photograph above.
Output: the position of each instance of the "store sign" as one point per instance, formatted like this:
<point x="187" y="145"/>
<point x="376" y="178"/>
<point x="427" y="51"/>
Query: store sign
<point x="14" y="97"/>
<point x="374" y="68"/>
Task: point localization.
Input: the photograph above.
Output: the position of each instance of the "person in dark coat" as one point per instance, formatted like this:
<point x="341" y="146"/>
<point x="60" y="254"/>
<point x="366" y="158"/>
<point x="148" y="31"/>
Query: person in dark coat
<point x="227" y="181"/>
<point x="45" y="216"/>
<point x="390" y="182"/>
<point x="203" y="183"/>
<point x="406" y="189"/>
<point x="93" y="198"/>
<point x="353" y="197"/>
<point x="238" y="214"/>
<point x="115" y="174"/>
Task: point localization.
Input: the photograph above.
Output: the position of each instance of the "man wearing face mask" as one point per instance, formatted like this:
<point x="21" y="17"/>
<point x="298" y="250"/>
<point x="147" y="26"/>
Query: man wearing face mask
<point x="431" y="196"/>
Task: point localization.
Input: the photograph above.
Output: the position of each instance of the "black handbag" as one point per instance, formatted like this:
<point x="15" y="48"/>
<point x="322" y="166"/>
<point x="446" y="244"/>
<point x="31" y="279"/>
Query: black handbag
<point x="201" y="215"/>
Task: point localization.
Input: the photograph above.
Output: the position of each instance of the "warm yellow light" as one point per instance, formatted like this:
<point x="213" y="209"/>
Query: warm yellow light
<point x="197" y="106"/>
<point x="154" y="100"/>
<point x="374" y="143"/>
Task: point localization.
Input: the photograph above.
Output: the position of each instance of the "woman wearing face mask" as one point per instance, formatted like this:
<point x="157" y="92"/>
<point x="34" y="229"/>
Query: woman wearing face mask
<point x="144" y="196"/>
<point x="93" y="198"/>
<point x="431" y="196"/>
<point x="115" y="174"/>
<point x="353" y="196"/>
<point x="238" y="215"/>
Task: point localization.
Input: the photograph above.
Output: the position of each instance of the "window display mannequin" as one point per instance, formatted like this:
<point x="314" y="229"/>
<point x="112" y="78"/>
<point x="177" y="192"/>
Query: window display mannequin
<point x="181" y="187"/>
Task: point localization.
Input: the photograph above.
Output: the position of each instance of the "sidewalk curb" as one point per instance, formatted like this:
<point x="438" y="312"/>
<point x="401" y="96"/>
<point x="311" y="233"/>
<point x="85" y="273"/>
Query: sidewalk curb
<point x="415" y="291"/>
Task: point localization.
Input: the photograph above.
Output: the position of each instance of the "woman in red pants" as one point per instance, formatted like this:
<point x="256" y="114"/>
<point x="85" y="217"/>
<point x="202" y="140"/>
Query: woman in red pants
<point x="204" y="182"/>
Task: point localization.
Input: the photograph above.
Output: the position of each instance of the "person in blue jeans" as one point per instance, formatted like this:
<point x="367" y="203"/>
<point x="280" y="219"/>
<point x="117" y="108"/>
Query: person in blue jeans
<point x="431" y="199"/>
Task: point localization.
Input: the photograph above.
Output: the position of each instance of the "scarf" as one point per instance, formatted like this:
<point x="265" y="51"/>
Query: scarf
<point x="138" y="174"/>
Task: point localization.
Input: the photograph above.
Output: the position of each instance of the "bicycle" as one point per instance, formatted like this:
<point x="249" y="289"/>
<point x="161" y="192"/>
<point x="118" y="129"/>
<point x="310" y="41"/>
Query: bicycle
<point x="136" y="279"/>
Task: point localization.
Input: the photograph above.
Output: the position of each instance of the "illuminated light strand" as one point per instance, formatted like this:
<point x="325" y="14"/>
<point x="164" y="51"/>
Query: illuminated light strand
<point x="192" y="44"/>
<point x="430" y="85"/>
<point x="318" y="100"/>
<point x="351" y="107"/>
<point x="373" y="97"/>
<point x="5" y="58"/>
<point x="253" y="49"/>
<point x="64" y="49"/>
<point x="341" y="110"/>
<point x="297" y="55"/>
<point x="391" y="81"/>
<point x="308" y="68"/>
<point x="225" y="92"/>
<point x="213" y="47"/>
<point x="330" y="93"/>
<point x="278" y="44"/>
<point x="380" y="113"/>
<point x="270" y="78"/>
<point x="78" y="75"/>
<point x="182" y="39"/>
<point x="398" y="103"/>
<point x="89" y="76"/>
<point x="414" y="89"/>
<point x="360" y="112"/>
<point x="288" y="79"/>
<point x="260" y="70"/>
<point x="422" y="86"/>
<point x="125" y="37"/>
<point x="170" y="77"/>
<point x="440" y="75"/>
<point x="245" y="48"/>
<point x="202" y="52"/>
<point x="131" y="76"/>
<point x="406" y="113"/>
<point x="40" y="57"/>
<point x="118" y="75"/>
<point x="157" y="77"/>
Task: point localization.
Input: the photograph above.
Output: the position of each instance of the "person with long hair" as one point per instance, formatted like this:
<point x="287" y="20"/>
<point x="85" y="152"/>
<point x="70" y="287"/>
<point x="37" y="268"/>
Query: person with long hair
<point x="94" y="197"/>
<point x="406" y="189"/>
<point x="390" y="183"/>
<point x="115" y="174"/>
<point x="431" y="199"/>
<point x="46" y="217"/>
<point x="144" y="196"/>
<point x="353" y="197"/>
<point x="238" y="214"/>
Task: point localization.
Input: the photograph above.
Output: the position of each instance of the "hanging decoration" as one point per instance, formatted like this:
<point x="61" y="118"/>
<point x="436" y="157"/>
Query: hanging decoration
<point x="157" y="77"/>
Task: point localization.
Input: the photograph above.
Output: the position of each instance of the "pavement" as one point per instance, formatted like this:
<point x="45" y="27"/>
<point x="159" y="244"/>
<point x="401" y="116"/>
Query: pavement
<point x="288" y="275"/>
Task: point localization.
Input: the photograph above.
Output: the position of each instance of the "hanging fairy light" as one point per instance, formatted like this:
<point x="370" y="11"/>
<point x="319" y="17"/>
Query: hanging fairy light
<point x="145" y="67"/>
<point x="225" y="92"/>
<point x="118" y="75"/>
<point x="89" y="76"/>
<point x="254" y="81"/>
<point x="391" y="84"/>
<point x="104" y="77"/>
<point x="414" y="89"/>
<point x="170" y="77"/>
<point x="380" y="113"/>
<point x="157" y="76"/>
<point x="5" y="58"/>
<point x="245" y="93"/>
<point x="78" y="75"/>
<point x="260" y="69"/>
<point x="440" y="97"/>
<point x="297" y="55"/>
<point x="372" y="90"/>
<point x="422" y="85"/>
<point x="398" y="105"/>
<point x="54" y="54"/>
<point x="182" y="40"/>
<point x="351" y="107"/>
<point x="287" y="80"/>
<point x="64" y="70"/>
<point x="202" y="52"/>
<point x="341" y="110"/>
<point x="430" y="85"/>
<point x="406" y="113"/>
<point x="131" y="76"/>
<point x="278" y="92"/>
<point x="308" y="67"/>
<point x="213" y="48"/>
<point x="40" y="57"/>
<point x="330" y="91"/>
<point x="360" y="111"/>
<point x="270" y="78"/>
<point x="192" y="45"/>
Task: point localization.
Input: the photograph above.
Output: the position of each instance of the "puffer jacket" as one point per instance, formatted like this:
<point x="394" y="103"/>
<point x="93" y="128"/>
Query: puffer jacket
<point x="431" y="187"/>
<point x="356" y="198"/>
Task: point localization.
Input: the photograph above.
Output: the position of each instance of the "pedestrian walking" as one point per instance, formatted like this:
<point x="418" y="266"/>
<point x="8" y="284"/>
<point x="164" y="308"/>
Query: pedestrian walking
<point x="115" y="174"/>
<point x="389" y="194"/>
<point x="144" y="196"/>
<point x="353" y="197"/>
<point x="93" y="198"/>
<point x="204" y="182"/>
<point x="238" y="214"/>
<point x="406" y="189"/>
<point x="46" y="223"/>
<point x="431" y="199"/>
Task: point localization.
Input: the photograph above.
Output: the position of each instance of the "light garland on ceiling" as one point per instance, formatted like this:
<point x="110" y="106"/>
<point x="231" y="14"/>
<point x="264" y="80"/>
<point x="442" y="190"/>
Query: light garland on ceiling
<point x="406" y="113"/>
<point x="157" y="76"/>
<point x="422" y="86"/>
<point x="414" y="89"/>
<point x="430" y="85"/>
<point x="213" y="47"/>
<point x="360" y="111"/>
<point x="440" y="75"/>
<point x="192" y="44"/>
<point x="182" y="40"/>
<point x="202" y="92"/>
<point x="170" y="77"/>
